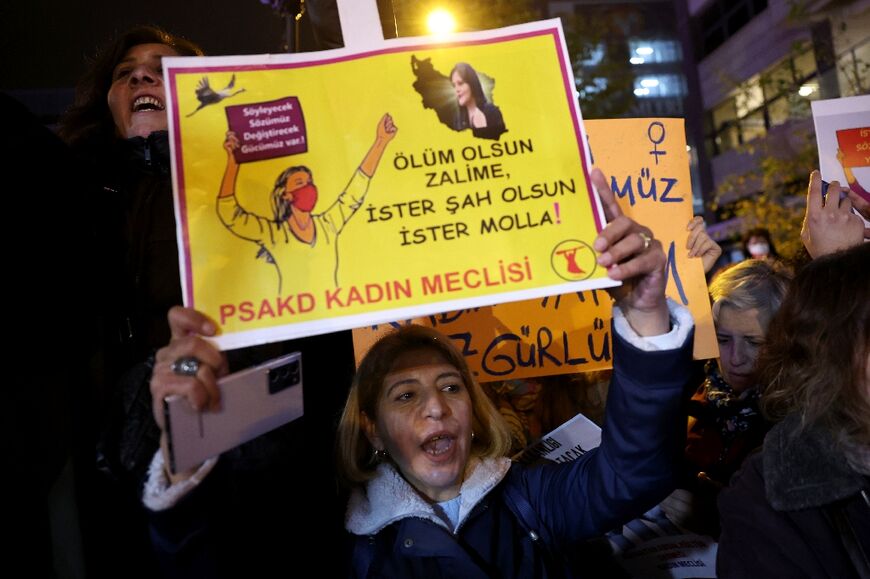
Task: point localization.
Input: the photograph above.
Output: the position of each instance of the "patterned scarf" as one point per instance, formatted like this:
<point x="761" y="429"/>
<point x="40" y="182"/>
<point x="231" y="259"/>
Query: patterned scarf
<point x="733" y="412"/>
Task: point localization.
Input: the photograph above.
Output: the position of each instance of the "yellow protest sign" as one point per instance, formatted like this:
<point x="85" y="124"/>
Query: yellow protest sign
<point x="648" y="164"/>
<point x="560" y="334"/>
<point x="325" y="191"/>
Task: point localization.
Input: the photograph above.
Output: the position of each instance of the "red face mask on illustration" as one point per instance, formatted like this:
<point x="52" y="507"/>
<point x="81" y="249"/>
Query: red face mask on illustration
<point x="305" y="197"/>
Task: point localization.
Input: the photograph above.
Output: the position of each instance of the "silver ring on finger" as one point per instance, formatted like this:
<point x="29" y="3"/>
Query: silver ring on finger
<point x="646" y="239"/>
<point x="186" y="366"/>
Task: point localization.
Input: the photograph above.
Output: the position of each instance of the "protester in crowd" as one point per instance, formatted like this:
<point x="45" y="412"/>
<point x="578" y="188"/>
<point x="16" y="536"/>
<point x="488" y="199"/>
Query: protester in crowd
<point x="117" y="129"/>
<point x="757" y="244"/>
<point x="422" y="447"/>
<point x="800" y="508"/>
<point x="725" y="423"/>
<point x="438" y="462"/>
<point x="474" y="110"/>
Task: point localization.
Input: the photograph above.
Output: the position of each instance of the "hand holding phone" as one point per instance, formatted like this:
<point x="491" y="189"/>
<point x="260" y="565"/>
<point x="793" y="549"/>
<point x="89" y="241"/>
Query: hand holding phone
<point x="252" y="402"/>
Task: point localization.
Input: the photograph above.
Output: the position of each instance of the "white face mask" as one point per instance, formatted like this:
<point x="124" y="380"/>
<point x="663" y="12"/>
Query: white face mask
<point x="758" y="249"/>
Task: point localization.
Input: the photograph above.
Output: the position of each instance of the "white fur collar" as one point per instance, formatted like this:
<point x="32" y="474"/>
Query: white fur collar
<point x="388" y="497"/>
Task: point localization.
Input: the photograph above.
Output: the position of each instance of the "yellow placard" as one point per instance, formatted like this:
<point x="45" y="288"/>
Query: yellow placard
<point x="648" y="164"/>
<point x="327" y="191"/>
<point x="553" y="335"/>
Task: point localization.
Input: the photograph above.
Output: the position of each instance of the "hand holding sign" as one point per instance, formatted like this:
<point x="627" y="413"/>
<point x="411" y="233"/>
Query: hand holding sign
<point x="307" y="238"/>
<point x="861" y="205"/>
<point x="632" y="256"/>
<point x="700" y="244"/>
<point x="843" y="136"/>
<point x="188" y="327"/>
<point x="857" y="191"/>
<point x="649" y="174"/>
<point x="829" y="224"/>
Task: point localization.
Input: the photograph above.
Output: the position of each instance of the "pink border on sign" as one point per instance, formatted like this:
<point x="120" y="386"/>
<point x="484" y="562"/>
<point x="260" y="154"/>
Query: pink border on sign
<point x="170" y="82"/>
<point x="182" y="198"/>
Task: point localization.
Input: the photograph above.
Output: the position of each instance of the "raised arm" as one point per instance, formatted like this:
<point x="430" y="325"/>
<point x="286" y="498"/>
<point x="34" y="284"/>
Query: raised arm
<point x="386" y="131"/>
<point x="228" y="185"/>
<point x="246" y="225"/>
<point x="645" y="422"/>
<point x="632" y="256"/>
<point x="829" y="223"/>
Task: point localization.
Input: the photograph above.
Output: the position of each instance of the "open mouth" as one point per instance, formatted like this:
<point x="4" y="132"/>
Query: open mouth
<point x="438" y="445"/>
<point x="147" y="103"/>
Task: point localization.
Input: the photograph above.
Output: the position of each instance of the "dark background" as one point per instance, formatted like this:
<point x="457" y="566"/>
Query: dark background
<point x="45" y="42"/>
<point x="45" y="48"/>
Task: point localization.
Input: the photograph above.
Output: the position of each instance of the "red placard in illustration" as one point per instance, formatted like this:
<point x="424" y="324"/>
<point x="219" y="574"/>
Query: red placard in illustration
<point x="854" y="147"/>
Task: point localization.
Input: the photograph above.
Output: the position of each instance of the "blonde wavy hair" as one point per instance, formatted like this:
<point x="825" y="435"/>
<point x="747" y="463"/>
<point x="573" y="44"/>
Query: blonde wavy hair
<point x="751" y="284"/>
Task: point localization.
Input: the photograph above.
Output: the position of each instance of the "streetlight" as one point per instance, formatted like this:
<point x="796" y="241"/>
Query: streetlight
<point x="440" y="21"/>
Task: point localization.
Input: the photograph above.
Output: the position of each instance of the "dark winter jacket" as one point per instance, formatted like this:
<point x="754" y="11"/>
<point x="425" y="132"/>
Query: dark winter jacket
<point x="136" y="283"/>
<point x="140" y="284"/>
<point x="398" y="534"/>
<point x="789" y="510"/>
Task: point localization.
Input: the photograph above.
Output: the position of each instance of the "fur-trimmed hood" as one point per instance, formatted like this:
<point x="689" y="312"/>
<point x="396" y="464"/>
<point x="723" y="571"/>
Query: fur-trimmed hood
<point x="805" y="469"/>
<point x="388" y="497"/>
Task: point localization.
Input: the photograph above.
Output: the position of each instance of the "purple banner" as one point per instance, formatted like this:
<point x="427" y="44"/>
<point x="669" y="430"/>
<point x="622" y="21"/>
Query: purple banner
<point x="268" y="130"/>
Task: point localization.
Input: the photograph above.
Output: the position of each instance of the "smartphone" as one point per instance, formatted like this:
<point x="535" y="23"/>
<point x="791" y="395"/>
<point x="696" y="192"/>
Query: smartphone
<point x="825" y="185"/>
<point x="253" y="402"/>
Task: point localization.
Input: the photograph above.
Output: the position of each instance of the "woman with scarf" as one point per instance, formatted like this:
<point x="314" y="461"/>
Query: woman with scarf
<point x="725" y="424"/>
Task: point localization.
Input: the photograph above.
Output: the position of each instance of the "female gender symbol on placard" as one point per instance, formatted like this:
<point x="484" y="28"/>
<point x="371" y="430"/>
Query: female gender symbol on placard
<point x="656" y="141"/>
